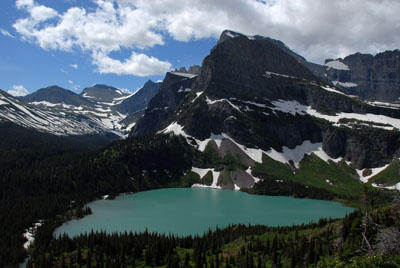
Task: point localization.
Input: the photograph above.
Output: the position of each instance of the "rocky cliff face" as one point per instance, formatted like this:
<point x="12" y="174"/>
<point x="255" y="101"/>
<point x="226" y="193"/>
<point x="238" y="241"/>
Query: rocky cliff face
<point x="256" y="93"/>
<point x="164" y="104"/>
<point x="195" y="69"/>
<point x="376" y="78"/>
<point x="139" y="100"/>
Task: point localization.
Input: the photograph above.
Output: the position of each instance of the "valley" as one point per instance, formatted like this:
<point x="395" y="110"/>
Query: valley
<point x="256" y="118"/>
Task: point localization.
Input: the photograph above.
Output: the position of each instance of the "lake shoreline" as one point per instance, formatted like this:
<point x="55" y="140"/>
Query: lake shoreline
<point x="245" y="196"/>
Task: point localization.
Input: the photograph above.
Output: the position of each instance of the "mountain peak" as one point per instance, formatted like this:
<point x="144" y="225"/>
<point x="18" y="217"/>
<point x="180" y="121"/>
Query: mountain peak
<point x="56" y="95"/>
<point x="103" y="86"/>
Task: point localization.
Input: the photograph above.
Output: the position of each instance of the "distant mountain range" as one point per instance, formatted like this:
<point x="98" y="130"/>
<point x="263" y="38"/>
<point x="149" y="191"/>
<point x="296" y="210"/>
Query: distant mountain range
<point x="99" y="109"/>
<point x="253" y="99"/>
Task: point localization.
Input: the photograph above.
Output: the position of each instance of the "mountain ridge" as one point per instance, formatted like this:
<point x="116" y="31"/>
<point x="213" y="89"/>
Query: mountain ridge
<point x="252" y="98"/>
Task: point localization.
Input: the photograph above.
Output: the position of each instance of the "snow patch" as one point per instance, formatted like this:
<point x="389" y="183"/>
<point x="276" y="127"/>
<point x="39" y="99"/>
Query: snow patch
<point x="202" y="172"/>
<point x="45" y="103"/>
<point x="237" y="188"/>
<point x="176" y="129"/>
<point x="384" y="104"/>
<point x="198" y="94"/>
<point x="327" y="88"/>
<point x="374" y="171"/>
<point x="211" y="102"/>
<point x="30" y="234"/>
<point x="393" y="187"/>
<point x="184" y="90"/>
<point x="297" y="154"/>
<point x="293" y="107"/>
<point x="270" y="74"/>
<point x="184" y="74"/>
<point x="130" y="126"/>
<point x="344" y="84"/>
<point x="248" y="171"/>
<point x="338" y="65"/>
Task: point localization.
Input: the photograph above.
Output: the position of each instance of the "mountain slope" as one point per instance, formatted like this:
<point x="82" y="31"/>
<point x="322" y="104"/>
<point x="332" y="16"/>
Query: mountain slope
<point x="164" y="104"/>
<point x="103" y="105"/>
<point x="56" y="95"/>
<point x="252" y="98"/>
<point x="139" y="100"/>
<point x="103" y="94"/>
<point x="48" y="120"/>
<point x="370" y="77"/>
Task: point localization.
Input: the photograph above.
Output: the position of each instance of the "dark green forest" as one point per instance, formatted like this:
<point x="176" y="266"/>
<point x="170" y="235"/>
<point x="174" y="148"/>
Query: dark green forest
<point x="328" y="243"/>
<point x="41" y="174"/>
<point x="48" y="178"/>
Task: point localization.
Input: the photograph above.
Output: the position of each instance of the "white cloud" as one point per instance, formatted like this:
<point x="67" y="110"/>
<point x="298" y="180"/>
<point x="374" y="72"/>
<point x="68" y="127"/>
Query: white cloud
<point x="73" y="86"/>
<point x="315" y="29"/>
<point x="6" y="33"/>
<point x="63" y="71"/>
<point x="24" y="3"/>
<point x="75" y="66"/>
<point x="137" y="64"/>
<point x="18" y="90"/>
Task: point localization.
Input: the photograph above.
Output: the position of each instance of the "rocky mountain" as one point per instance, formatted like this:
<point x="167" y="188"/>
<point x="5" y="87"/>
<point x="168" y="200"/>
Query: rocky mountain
<point x="195" y="69"/>
<point x="49" y="120"/>
<point x="108" y="108"/>
<point x="375" y="78"/>
<point x="139" y="100"/>
<point x="103" y="94"/>
<point x="56" y="95"/>
<point x="164" y="104"/>
<point x="255" y="102"/>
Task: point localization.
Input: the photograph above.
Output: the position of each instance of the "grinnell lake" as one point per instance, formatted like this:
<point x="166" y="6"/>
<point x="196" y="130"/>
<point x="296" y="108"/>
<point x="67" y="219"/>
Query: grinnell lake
<point x="189" y="211"/>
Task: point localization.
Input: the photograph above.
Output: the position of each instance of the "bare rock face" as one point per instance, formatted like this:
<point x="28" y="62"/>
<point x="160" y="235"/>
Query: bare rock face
<point x="388" y="241"/>
<point x="139" y="100"/>
<point x="239" y="82"/>
<point x="370" y="77"/>
<point x="164" y="104"/>
<point x="195" y="69"/>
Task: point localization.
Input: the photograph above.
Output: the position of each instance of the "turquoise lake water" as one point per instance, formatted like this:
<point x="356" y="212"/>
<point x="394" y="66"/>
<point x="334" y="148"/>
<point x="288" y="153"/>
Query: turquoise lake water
<point x="185" y="211"/>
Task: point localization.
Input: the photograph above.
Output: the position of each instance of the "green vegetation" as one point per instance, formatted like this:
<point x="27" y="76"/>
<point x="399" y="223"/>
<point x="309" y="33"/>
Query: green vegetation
<point x="388" y="177"/>
<point x="328" y="243"/>
<point x="313" y="172"/>
<point x="41" y="175"/>
<point x="207" y="179"/>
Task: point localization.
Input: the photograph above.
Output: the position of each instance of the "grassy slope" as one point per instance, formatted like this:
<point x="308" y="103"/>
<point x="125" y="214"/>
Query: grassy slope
<point x="389" y="176"/>
<point x="313" y="171"/>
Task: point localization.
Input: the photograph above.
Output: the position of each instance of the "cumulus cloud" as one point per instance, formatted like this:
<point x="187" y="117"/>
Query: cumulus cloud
<point x="75" y="66"/>
<point x="18" y="90"/>
<point x="315" y="29"/>
<point x="137" y="64"/>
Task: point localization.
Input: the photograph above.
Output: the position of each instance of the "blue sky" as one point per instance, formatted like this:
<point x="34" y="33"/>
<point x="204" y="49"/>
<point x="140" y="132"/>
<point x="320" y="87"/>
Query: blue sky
<point x="25" y="64"/>
<point x="123" y="43"/>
